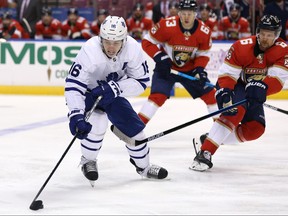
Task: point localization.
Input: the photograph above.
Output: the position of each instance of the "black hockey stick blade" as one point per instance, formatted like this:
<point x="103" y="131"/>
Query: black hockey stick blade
<point x="134" y="142"/>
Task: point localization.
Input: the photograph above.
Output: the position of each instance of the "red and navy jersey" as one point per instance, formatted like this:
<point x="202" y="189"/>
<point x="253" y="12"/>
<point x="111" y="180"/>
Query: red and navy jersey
<point x="187" y="49"/>
<point x="52" y="31"/>
<point x="81" y="26"/>
<point x="138" y="28"/>
<point x="95" y="27"/>
<point x="212" y="23"/>
<point x="14" y="30"/>
<point x="242" y="61"/>
<point x="233" y="30"/>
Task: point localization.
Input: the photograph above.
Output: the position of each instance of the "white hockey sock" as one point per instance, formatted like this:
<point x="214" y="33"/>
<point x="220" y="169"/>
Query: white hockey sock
<point x="219" y="132"/>
<point x="149" y="109"/>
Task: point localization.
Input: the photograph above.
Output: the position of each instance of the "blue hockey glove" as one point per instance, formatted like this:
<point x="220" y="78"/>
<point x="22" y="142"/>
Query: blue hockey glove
<point x="109" y="91"/>
<point x="256" y="93"/>
<point x="224" y="97"/>
<point x="78" y="125"/>
<point x="163" y="64"/>
<point x="201" y="74"/>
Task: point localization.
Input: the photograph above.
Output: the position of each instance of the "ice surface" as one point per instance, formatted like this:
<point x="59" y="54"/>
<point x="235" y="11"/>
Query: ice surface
<point x="249" y="178"/>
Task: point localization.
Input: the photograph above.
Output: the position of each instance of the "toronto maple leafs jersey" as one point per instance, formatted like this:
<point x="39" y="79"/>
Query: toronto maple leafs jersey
<point x="91" y="67"/>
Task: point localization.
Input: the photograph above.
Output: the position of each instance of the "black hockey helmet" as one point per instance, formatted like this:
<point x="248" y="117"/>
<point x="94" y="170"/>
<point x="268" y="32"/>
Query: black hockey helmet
<point x="46" y="11"/>
<point x="72" y="11"/>
<point x="270" y="22"/>
<point x="102" y="12"/>
<point x="138" y="6"/>
<point x="234" y="6"/>
<point x="173" y="5"/>
<point x="188" y="5"/>
<point x="205" y="6"/>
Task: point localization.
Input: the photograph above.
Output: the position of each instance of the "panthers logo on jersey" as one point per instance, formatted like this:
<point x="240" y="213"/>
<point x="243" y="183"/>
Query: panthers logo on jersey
<point x="182" y="54"/>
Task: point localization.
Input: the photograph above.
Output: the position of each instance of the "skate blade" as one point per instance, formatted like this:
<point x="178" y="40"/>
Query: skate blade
<point x="200" y="167"/>
<point x="92" y="183"/>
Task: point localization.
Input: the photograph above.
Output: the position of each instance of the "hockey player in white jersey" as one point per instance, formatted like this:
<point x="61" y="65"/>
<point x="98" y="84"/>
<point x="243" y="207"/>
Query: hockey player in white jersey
<point x="111" y="65"/>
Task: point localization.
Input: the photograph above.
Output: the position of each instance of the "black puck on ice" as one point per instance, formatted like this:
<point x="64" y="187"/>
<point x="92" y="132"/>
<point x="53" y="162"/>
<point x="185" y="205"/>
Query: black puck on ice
<point x="36" y="205"/>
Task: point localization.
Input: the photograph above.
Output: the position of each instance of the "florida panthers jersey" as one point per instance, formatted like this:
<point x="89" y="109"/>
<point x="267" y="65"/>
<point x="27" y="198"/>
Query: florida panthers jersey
<point x="186" y="49"/>
<point x="91" y="67"/>
<point x="245" y="62"/>
<point x="51" y="31"/>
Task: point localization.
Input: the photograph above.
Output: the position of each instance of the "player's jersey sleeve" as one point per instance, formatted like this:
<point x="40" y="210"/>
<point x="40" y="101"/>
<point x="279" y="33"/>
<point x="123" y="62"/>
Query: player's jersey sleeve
<point x="136" y="76"/>
<point x="277" y="73"/>
<point x="203" y="35"/>
<point x="156" y="35"/>
<point x="230" y="70"/>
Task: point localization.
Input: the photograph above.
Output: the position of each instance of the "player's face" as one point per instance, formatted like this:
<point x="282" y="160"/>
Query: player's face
<point x="46" y="19"/>
<point x="187" y="18"/>
<point x="266" y="39"/>
<point x="72" y="18"/>
<point x="234" y="14"/>
<point x="204" y="14"/>
<point x="111" y="48"/>
<point x="101" y="18"/>
<point x="173" y="11"/>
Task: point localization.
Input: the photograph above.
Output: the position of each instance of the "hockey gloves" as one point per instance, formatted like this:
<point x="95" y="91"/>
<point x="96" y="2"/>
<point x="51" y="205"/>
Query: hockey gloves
<point x="163" y="64"/>
<point x="224" y="97"/>
<point x="256" y="93"/>
<point x="200" y="74"/>
<point x="109" y="92"/>
<point x="79" y="126"/>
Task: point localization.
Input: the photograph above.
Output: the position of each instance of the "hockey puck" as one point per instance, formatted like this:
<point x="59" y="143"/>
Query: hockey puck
<point x="36" y="205"/>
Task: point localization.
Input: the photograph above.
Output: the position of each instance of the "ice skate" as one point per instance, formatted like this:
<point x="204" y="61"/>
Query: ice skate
<point x="152" y="171"/>
<point x="90" y="170"/>
<point x="202" y="161"/>
<point x="197" y="142"/>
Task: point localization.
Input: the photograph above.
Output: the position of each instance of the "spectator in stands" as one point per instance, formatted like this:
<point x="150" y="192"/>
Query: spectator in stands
<point x="28" y="14"/>
<point x="138" y="25"/>
<point x="149" y="9"/>
<point x="233" y="26"/>
<point x="173" y="8"/>
<point x="48" y="27"/>
<point x="7" y="4"/>
<point x="278" y="8"/>
<point x="10" y="28"/>
<point x="75" y="27"/>
<point x="205" y="13"/>
<point x="95" y="25"/>
<point x="160" y="10"/>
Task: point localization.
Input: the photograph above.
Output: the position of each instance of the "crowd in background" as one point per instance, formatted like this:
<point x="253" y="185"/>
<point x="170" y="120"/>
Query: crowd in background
<point x="228" y="19"/>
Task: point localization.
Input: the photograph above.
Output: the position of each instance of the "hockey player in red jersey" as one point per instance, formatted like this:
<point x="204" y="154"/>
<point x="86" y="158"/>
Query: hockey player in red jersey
<point x="185" y="47"/>
<point x="75" y="26"/>
<point x="48" y="27"/>
<point x="254" y="68"/>
<point x="138" y="25"/>
<point x="210" y="21"/>
<point x="95" y="25"/>
<point x="10" y="28"/>
<point x="234" y="27"/>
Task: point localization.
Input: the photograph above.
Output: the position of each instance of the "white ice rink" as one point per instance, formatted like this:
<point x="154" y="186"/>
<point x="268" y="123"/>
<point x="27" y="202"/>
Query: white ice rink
<point x="247" y="179"/>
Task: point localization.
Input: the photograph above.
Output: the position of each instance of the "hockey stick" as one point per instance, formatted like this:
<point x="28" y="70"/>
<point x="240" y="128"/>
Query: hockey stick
<point x="211" y="85"/>
<point x="134" y="142"/>
<point x="38" y="204"/>
<point x="26" y="23"/>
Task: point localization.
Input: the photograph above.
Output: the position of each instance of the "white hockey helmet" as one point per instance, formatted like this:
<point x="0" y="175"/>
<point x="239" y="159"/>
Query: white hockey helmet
<point x="113" y="28"/>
